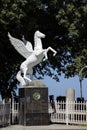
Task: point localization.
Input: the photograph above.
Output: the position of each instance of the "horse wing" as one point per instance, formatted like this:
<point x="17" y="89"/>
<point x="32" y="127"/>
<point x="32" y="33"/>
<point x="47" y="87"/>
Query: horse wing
<point x="20" y="47"/>
<point x="29" y="46"/>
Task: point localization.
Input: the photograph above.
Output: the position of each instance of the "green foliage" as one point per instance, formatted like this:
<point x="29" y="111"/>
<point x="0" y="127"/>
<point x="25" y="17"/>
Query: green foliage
<point x="65" y="26"/>
<point x="81" y="61"/>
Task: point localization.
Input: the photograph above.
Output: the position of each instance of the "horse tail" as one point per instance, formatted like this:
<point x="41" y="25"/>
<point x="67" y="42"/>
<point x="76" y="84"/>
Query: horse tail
<point x="20" y="78"/>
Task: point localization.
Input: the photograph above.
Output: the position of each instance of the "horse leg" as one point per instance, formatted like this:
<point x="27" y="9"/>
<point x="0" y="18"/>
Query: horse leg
<point x="25" y="73"/>
<point x="30" y="72"/>
<point x="45" y="54"/>
<point x="50" y="48"/>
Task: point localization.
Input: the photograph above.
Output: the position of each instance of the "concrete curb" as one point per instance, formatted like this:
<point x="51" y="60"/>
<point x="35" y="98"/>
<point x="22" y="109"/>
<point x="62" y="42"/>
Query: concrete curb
<point x="49" y="127"/>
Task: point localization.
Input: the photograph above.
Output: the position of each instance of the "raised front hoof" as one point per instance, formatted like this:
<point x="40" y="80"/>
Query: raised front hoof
<point x="45" y="59"/>
<point x="54" y="53"/>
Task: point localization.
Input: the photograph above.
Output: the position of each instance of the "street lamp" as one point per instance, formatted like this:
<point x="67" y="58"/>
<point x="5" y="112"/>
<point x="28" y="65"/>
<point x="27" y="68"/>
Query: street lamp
<point x="80" y="79"/>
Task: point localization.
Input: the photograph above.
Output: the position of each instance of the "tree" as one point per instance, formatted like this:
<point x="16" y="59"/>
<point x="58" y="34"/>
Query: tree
<point x="63" y="22"/>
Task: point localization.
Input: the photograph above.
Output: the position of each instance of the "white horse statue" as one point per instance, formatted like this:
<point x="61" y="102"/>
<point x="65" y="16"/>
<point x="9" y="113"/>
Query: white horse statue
<point x="33" y="57"/>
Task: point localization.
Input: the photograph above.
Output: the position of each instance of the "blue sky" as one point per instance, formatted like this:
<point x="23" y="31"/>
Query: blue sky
<point x="59" y="88"/>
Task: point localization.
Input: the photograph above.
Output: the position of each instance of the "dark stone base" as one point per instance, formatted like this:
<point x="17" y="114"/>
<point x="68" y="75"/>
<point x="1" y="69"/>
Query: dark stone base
<point x="33" y="108"/>
<point x="36" y="119"/>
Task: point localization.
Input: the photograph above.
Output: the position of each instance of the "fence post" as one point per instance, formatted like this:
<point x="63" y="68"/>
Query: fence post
<point x="56" y="107"/>
<point x="86" y="111"/>
<point x="67" y="111"/>
<point x="12" y="111"/>
<point x="3" y="119"/>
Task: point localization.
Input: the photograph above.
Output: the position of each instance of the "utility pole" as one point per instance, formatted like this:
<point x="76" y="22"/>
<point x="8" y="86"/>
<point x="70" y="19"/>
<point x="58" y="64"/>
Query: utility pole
<point x="80" y="79"/>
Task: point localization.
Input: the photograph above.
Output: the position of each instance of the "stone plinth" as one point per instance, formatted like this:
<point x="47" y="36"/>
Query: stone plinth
<point x="70" y="94"/>
<point x="33" y="108"/>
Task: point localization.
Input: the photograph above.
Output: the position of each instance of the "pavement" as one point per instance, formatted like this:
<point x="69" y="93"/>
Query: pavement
<point x="48" y="127"/>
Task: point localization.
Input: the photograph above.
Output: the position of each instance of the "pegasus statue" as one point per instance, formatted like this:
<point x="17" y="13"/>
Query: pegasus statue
<point x="32" y="56"/>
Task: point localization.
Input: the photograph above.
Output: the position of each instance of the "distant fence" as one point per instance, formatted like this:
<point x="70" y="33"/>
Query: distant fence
<point x="60" y="112"/>
<point x="68" y="112"/>
<point x="15" y="113"/>
<point x="8" y="113"/>
<point x="4" y="114"/>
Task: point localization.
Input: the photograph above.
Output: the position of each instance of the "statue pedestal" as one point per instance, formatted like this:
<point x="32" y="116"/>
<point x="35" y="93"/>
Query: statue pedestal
<point x="33" y="108"/>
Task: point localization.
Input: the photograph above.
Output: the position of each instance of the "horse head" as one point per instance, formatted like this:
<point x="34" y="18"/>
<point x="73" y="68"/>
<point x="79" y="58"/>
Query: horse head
<point x="39" y="34"/>
<point x="37" y="40"/>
